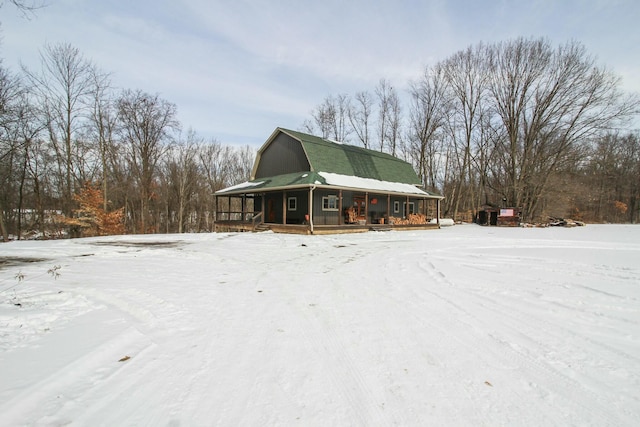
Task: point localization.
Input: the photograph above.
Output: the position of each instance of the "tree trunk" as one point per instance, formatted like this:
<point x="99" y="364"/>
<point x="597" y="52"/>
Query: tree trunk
<point x="3" y="228"/>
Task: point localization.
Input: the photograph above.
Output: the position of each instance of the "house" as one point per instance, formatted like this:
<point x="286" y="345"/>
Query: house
<point x="302" y="183"/>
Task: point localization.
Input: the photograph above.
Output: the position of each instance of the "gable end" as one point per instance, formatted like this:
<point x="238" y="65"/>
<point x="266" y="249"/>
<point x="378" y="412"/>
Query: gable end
<point x="282" y="155"/>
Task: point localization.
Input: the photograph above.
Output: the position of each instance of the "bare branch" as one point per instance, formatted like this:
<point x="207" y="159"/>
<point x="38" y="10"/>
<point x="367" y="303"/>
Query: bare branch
<point x="27" y="7"/>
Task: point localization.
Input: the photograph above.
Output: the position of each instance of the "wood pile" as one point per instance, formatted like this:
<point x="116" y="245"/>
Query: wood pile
<point x="562" y="222"/>
<point x="351" y="215"/>
<point x="555" y="222"/>
<point x="412" y="219"/>
<point x="509" y="221"/>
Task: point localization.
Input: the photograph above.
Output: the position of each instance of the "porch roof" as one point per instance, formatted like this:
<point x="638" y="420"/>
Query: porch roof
<point x="307" y="180"/>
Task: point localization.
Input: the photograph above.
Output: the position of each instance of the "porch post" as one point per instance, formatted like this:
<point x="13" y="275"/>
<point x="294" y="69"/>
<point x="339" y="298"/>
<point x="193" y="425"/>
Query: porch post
<point x="262" y="197"/>
<point x="388" y="208"/>
<point x="438" y="212"/>
<point x="244" y="205"/>
<point x="311" y="208"/>
<point x="229" y="208"/>
<point x="284" y="207"/>
<point x="406" y="209"/>
<point x="340" y="214"/>
<point x="366" y="207"/>
<point x="215" y="208"/>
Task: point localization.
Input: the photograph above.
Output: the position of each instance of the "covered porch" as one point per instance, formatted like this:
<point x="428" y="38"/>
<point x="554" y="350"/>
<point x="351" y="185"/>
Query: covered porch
<point x="321" y="210"/>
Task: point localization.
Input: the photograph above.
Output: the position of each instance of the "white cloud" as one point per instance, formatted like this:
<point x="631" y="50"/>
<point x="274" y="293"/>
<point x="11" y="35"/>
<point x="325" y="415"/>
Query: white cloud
<point x="242" y="68"/>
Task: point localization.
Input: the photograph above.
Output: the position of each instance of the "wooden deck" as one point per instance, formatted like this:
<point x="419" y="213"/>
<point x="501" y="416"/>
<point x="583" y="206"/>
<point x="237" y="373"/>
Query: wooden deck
<point x="247" y="226"/>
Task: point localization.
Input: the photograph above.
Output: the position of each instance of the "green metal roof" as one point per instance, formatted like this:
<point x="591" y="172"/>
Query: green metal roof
<point x="329" y="156"/>
<point x="290" y="180"/>
<point x="298" y="180"/>
<point x="375" y="171"/>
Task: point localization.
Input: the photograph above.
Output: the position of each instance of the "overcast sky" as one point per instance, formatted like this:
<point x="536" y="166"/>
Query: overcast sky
<point x="238" y="69"/>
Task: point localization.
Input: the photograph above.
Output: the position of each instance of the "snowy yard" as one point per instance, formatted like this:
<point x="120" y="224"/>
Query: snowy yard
<point x="463" y="326"/>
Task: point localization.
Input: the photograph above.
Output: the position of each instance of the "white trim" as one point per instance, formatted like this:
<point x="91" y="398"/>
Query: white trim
<point x="295" y="203"/>
<point x="328" y="199"/>
<point x="412" y="207"/>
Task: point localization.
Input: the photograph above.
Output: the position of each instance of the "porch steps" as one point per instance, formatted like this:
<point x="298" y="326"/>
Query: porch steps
<point x="380" y="227"/>
<point x="262" y="227"/>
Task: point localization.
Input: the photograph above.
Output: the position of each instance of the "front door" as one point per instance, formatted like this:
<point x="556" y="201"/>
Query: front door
<point x="360" y="207"/>
<point x="271" y="212"/>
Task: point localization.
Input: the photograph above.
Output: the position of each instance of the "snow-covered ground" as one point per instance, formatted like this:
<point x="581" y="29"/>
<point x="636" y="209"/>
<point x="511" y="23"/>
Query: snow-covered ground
<point x="463" y="326"/>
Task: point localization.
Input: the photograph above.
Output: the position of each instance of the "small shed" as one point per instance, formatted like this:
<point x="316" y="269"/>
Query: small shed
<point x="505" y="217"/>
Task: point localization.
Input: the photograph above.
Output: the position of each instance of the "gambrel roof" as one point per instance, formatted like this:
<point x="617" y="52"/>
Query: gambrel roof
<point x="329" y="156"/>
<point x="291" y="159"/>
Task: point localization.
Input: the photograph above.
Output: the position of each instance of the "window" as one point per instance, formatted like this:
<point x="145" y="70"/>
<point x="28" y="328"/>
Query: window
<point x="396" y="207"/>
<point x="330" y="203"/>
<point x="292" y="203"/>
<point x="411" y="208"/>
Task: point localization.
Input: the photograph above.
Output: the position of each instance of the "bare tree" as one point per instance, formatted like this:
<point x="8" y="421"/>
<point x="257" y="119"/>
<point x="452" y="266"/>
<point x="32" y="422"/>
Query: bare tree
<point x="611" y="180"/>
<point x="383" y="92"/>
<point x="631" y="178"/>
<point x="102" y="123"/>
<point x="26" y="132"/>
<point x="324" y="116"/>
<point x="145" y="124"/>
<point x="427" y="117"/>
<point x="121" y="179"/>
<point x="181" y="170"/>
<point x="342" y="127"/>
<point x="245" y="157"/>
<point x="216" y="165"/>
<point x="308" y="126"/>
<point x="331" y="118"/>
<point x="466" y="77"/>
<point x="394" y="131"/>
<point x="548" y="102"/>
<point x="10" y="90"/>
<point x="360" y="117"/>
<point x="64" y="87"/>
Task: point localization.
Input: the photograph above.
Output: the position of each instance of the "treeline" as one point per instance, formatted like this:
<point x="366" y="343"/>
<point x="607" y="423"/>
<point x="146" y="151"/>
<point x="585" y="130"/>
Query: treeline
<point x="65" y="129"/>
<point x="519" y="123"/>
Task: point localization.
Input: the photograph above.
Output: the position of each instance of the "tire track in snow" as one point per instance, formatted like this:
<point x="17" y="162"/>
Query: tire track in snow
<point x="463" y="328"/>
<point x="321" y="336"/>
<point x="75" y="383"/>
<point x="564" y="386"/>
<point x="163" y="324"/>
<point x="517" y="323"/>
<point x="610" y="359"/>
<point x="345" y="374"/>
<point x="399" y="410"/>
<point x="452" y="334"/>
<point x="390" y="393"/>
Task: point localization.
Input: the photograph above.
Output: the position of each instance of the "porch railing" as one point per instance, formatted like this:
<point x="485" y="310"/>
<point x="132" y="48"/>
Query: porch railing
<point x="256" y="220"/>
<point x="236" y="216"/>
